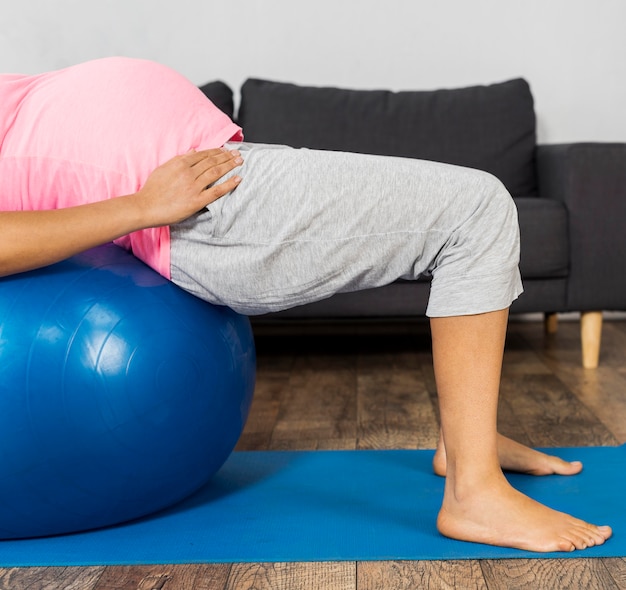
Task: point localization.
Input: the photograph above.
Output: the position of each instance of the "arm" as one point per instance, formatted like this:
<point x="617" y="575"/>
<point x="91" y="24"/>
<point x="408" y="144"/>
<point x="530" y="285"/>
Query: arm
<point x="173" y="192"/>
<point x="590" y="179"/>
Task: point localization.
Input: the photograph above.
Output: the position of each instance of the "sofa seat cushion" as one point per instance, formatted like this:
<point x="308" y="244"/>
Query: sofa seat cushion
<point x="544" y="238"/>
<point x="491" y="128"/>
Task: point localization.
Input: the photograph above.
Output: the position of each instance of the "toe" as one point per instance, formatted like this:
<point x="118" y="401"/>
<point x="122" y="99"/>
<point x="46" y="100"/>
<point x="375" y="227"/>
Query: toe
<point x="566" y="545"/>
<point x="589" y="535"/>
<point x="568" y="467"/>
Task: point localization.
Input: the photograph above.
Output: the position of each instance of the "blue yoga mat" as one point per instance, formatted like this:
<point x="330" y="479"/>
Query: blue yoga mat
<point x="328" y="505"/>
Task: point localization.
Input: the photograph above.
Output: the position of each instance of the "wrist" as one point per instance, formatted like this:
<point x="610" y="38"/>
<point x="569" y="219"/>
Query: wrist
<point x="134" y="212"/>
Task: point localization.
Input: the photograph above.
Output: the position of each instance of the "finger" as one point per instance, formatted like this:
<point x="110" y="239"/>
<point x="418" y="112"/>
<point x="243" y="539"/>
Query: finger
<point x="192" y="158"/>
<point x="219" y="190"/>
<point x="212" y="157"/>
<point x="209" y="172"/>
<point x="217" y="165"/>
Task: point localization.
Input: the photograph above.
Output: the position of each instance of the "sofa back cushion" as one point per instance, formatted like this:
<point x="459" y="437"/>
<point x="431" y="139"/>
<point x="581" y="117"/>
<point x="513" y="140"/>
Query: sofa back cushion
<point x="491" y="128"/>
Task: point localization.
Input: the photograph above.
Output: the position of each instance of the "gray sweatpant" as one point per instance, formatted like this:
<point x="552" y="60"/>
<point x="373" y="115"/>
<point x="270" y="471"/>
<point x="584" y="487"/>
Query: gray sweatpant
<point x="305" y="224"/>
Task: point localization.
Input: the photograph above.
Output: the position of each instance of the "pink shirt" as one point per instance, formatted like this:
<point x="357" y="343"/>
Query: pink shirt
<point x="95" y="131"/>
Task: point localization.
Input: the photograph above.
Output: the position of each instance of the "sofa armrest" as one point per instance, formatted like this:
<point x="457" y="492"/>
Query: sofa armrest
<point x="590" y="179"/>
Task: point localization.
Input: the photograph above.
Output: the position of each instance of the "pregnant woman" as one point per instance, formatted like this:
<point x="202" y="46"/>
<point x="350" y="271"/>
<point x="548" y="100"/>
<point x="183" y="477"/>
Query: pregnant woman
<point x="130" y="151"/>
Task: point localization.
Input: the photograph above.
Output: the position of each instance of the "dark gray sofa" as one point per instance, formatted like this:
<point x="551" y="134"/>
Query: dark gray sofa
<point x="571" y="198"/>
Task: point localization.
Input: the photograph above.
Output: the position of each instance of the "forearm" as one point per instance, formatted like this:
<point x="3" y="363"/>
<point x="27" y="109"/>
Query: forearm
<point x="31" y="239"/>
<point x="174" y="191"/>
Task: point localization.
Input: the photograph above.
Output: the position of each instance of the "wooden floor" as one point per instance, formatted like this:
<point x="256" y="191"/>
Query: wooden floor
<point x="372" y="387"/>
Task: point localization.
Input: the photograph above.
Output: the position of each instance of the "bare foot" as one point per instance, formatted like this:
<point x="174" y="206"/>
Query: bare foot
<point x="517" y="457"/>
<point x="496" y="514"/>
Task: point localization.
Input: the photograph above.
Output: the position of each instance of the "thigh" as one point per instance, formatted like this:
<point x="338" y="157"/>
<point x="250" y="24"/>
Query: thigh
<point x="306" y="224"/>
<point x="302" y="193"/>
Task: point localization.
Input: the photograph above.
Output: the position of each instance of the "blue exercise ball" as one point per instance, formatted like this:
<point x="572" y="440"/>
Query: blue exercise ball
<point x="120" y="393"/>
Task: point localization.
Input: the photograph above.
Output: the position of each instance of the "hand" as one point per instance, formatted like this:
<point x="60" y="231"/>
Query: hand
<point x="184" y="185"/>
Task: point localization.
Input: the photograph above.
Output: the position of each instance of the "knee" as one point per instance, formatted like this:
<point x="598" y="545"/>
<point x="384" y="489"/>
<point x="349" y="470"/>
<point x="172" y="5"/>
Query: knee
<point x="496" y="202"/>
<point x="477" y="270"/>
<point x="494" y="220"/>
<point x="502" y="211"/>
<point x="506" y="207"/>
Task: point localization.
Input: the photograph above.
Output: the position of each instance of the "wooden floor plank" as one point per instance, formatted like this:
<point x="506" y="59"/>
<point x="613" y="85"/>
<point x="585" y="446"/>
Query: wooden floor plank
<point x="551" y="414"/>
<point x="522" y="574"/>
<point x="616" y="566"/>
<point x="394" y="409"/>
<point x="165" y="577"/>
<point x="519" y="358"/>
<point x="602" y="392"/>
<point x="293" y="576"/>
<point x="427" y="575"/>
<point x="140" y="577"/>
<point x="319" y="404"/>
<point x="50" y="578"/>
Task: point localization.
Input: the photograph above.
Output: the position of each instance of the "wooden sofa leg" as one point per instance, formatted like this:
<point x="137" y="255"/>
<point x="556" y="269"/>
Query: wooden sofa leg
<point x="590" y="336"/>
<point x="550" y="323"/>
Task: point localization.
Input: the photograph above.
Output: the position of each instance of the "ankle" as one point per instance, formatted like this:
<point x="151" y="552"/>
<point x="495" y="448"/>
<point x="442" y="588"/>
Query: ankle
<point x="463" y="487"/>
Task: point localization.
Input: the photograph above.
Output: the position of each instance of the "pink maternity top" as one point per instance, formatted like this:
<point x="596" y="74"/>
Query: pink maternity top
<point x="95" y="131"/>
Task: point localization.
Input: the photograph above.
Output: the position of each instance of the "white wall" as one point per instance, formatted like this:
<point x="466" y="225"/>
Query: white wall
<point x="572" y="52"/>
